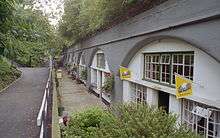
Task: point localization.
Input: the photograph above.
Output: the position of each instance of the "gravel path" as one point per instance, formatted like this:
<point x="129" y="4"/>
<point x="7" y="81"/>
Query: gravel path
<point x="19" y="104"/>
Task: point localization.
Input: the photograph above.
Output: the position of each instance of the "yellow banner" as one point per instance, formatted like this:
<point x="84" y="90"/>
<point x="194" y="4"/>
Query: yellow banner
<point x="183" y="87"/>
<point x="125" y="73"/>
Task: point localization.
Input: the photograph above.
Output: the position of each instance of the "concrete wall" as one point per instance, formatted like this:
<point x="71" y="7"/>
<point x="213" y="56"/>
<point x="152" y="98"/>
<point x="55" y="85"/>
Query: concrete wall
<point x="196" y="22"/>
<point x="206" y="70"/>
<point x="206" y="76"/>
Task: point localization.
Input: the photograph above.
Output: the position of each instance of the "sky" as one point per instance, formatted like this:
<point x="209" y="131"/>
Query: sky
<point x="53" y="8"/>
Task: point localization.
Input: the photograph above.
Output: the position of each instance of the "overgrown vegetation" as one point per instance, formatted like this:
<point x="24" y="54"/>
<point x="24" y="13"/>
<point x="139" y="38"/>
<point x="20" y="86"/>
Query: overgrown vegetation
<point x="128" y="120"/>
<point x="8" y="73"/>
<point x="108" y="84"/>
<point x="26" y="37"/>
<point x="83" y="18"/>
<point x="83" y="74"/>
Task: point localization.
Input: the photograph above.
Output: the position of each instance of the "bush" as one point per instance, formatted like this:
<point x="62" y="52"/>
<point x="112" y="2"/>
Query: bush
<point x="128" y="120"/>
<point x="83" y="74"/>
<point x="86" y="124"/>
<point x="108" y="84"/>
<point x="8" y="73"/>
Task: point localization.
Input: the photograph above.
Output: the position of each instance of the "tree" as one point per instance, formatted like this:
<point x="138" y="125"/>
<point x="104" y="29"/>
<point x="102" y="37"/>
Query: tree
<point x="30" y="36"/>
<point x="83" y="18"/>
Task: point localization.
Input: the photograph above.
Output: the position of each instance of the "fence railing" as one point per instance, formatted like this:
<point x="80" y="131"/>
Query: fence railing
<point x="43" y="114"/>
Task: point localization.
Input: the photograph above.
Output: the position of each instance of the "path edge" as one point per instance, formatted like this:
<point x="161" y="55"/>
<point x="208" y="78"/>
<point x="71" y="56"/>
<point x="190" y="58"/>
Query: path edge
<point x="1" y="91"/>
<point x="56" y="133"/>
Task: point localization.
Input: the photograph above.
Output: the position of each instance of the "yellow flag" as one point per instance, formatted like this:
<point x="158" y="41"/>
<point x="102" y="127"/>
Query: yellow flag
<point x="183" y="86"/>
<point x="125" y="73"/>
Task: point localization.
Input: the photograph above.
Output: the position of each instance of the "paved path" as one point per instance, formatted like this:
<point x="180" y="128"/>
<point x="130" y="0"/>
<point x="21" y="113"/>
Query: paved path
<point x="75" y="97"/>
<point x="19" y="105"/>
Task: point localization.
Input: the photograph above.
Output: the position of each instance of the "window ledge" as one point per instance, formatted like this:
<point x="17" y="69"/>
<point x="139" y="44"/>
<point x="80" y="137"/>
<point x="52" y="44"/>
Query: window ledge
<point x="104" y="70"/>
<point x="160" y="83"/>
<point x="155" y="85"/>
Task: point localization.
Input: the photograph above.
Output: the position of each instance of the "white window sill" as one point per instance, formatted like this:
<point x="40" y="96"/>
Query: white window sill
<point x="100" y="69"/>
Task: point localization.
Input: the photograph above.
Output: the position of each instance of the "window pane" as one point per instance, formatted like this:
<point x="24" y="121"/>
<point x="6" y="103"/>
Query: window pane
<point x="192" y="60"/>
<point x="168" y="78"/>
<point x="187" y="60"/>
<point x="100" y="60"/>
<point x="158" y="76"/>
<point x="165" y="59"/>
<point x="163" y="77"/>
<point x="160" y="69"/>
<point x="175" y="57"/>
<point x="152" y="66"/>
<point x="186" y="71"/>
<point x="197" y="123"/>
<point x="180" y="70"/>
<point x="180" y="59"/>
<point x="191" y="71"/>
<point x="140" y="93"/>
<point x="174" y="69"/>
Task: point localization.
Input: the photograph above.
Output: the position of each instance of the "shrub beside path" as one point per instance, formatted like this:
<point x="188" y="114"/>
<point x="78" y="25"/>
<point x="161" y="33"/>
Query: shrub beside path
<point x="75" y="97"/>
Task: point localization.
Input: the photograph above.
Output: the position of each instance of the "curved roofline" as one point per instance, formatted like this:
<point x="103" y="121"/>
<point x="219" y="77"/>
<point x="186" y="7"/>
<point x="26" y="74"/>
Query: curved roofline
<point x="138" y="46"/>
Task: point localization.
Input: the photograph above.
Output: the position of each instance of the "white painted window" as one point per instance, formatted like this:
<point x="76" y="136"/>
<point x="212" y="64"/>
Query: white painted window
<point x="99" y="71"/>
<point x="163" y="66"/>
<point x="82" y="64"/>
<point x="100" y="60"/>
<point x="82" y="59"/>
<point x="183" y="65"/>
<point x="200" y="118"/>
<point x="94" y="78"/>
<point x="152" y="66"/>
<point x="139" y="93"/>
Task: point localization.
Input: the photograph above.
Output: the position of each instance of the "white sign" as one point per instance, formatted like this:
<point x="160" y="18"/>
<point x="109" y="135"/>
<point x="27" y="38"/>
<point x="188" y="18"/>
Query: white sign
<point x="201" y="111"/>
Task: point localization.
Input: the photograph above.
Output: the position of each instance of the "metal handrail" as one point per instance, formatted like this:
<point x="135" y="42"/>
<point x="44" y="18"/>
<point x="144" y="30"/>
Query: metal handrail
<point x="42" y="114"/>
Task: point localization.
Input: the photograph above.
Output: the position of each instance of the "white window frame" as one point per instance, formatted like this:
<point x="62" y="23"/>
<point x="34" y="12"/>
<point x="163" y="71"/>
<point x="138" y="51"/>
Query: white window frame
<point x="102" y="61"/>
<point x="139" y="93"/>
<point x="82" y="65"/>
<point x="171" y="64"/>
<point x="98" y="72"/>
<point x="192" y="120"/>
<point x="150" y="65"/>
<point x="161" y="68"/>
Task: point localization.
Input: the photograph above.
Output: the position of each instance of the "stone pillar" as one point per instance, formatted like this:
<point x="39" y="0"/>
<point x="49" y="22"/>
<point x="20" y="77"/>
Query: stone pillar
<point x="152" y="97"/>
<point x="175" y="106"/>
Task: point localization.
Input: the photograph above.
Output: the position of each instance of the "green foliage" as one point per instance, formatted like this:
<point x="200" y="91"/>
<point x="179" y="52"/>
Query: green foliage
<point x="84" y="17"/>
<point x="26" y="34"/>
<point x="108" y="84"/>
<point x="83" y="74"/>
<point x="8" y="73"/>
<point x="86" y="123"/>
<point x="128" y="120"/>
<point x="6" y="12"/>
